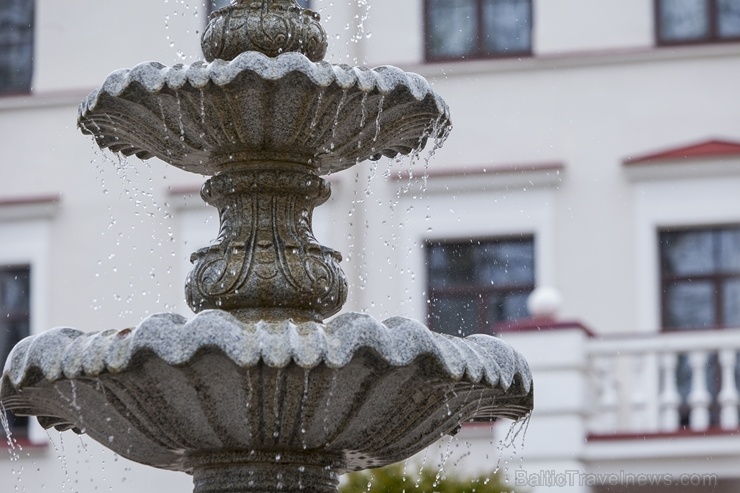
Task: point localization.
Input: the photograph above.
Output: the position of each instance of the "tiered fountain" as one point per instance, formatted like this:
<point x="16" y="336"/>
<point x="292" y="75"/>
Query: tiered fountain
<point x="256" y="393"/>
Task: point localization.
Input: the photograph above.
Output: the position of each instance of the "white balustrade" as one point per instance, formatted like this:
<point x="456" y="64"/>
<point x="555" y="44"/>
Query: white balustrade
<point x="637" y="385"/>
<point x="605" y="415"/>
<point x="638" y="417"/>
<point x="669" y="397"/>
<point x="728" y="396"/>
<point x="699" y="398"/>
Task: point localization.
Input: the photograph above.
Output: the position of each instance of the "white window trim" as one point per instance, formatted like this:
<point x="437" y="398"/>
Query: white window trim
<point x="25" y="229"/>
<point x="660" y="204"/>
<point x="461" y="214"/>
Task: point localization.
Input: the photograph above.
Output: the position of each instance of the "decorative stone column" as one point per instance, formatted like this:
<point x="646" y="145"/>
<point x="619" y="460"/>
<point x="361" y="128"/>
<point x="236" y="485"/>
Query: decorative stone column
<point x="261" y="472"/>
<point x="266" y="264"/>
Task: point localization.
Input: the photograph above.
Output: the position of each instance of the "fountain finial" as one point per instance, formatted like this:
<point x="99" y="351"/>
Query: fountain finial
<point x="271" y="27"/>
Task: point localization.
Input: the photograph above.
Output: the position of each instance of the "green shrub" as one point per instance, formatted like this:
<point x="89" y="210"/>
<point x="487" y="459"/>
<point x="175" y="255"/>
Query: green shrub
<point x="391" y="479"/>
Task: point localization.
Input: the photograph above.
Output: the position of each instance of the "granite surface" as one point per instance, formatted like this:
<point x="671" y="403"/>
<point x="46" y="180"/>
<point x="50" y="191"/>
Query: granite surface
<point x="369" y="393"/>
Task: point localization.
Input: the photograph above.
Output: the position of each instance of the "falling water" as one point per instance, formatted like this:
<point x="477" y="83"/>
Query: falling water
<point x="152" y="215"/>
<point x="304" y="403"/>
<point x="276" y="403"/>
<point x="421" y="467"/>
<point x="317" y="112"/>
<point x="377" y="119"/>
<point x="342" y="100"/>
<point x="250" y="393"/>
<point x="202" y="109"/>
<point x="181" y="124"/>
<point x="164" y="124"/>
<point x="14" y="448"/>
<point x="363" y="110"/>
<point x="327" y="408"/>
<point x="516" y="430"/>
<point x="445" y="457"/>
<point x="62" y="456"/>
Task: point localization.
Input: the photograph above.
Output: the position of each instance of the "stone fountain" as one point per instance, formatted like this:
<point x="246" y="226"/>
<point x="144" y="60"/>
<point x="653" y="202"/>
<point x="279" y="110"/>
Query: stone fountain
<point x="256" y="392"/>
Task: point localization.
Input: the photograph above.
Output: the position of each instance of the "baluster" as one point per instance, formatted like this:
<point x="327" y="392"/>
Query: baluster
<point x="638" y="398"/>
<point x="670" y="399"/>
<point x="728" y="395"/>
<point x="606" y="421"/>
<point x="699" y="397"/>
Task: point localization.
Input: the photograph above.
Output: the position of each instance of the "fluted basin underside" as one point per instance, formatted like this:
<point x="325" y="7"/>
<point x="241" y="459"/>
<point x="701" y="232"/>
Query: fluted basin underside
<point x="353" y="392"/>
<point x="210" y="117"/>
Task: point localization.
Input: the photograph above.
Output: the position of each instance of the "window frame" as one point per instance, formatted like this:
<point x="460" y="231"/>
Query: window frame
<point x="25" y="229"/>
<point x="716" y="278"/>
<point x="478" y="289"/>
<point x="27" y="89"/>
<point x="712" y="37"/>
<point x="21" y="433"/>
<point x="479" y="53"/>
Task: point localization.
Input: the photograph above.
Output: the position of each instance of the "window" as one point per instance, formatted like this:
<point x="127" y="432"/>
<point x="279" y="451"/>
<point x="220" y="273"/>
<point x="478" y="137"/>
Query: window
<point x="14" y="323"/>
<point x="700" y="273"/>
<point x="697" y="21"/>
<point x="16" y="46"/>
<point x="460" y="29"/>
<point x="217" y="4"/>
<point x="476" y="284"/>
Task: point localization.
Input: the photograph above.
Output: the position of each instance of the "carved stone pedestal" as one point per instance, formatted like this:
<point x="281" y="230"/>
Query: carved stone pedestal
<point x="266" y="263"/>
<point x="265" y="472"/>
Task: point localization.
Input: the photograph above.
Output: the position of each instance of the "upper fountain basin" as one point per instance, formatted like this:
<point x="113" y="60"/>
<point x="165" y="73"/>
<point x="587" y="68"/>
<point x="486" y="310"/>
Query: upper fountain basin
<point x="212" y="117"/>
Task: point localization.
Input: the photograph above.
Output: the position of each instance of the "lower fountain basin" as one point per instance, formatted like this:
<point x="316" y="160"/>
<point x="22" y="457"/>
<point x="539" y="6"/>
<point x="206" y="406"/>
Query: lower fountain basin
<point x="355" y="391"/>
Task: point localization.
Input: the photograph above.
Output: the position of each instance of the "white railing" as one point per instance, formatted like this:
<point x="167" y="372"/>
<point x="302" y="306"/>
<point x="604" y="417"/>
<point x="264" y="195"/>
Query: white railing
<point x="665" y="382"/>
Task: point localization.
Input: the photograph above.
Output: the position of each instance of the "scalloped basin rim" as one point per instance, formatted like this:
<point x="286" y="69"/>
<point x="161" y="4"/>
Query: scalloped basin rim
<point x="154" y="76"/>
<point x="69" y="353"/>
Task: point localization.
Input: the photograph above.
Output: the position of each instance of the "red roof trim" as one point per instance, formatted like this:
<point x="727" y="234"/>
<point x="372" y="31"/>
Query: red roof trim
<point x="31" y="200"/>
<point x="707" y="149"/>
<point x="681" y="433"/>
<point x="24" y="443"/>
<point x="482" y="170"/>
<point x="194" y="189"/>
<point x="183" y="190"/>
<point x="541" y="325"/>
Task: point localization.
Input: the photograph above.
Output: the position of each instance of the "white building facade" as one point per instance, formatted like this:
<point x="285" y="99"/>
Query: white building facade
<point x="595" y="151"/>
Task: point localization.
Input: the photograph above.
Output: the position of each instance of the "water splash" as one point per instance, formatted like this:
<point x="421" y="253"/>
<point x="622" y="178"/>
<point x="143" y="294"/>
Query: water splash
<point x="152" y="215"/>
<point x="329" y="397"/>
<point x="202" y="108"/>
<point x="363" y="110"/>
<point x="340" y="105"/>
<point x="276" y="403"/>
<point x="421" y="467"/>
<point x="304" y="405"/>
<point x="180" y="122"/>
<point x="516" y="430"/>
<point x="317" y="110"/>
<point x="250" y="393"/>
<point x="14" y="448"/>
<point x="445" y="457"/>
<point x="377" y="120"/>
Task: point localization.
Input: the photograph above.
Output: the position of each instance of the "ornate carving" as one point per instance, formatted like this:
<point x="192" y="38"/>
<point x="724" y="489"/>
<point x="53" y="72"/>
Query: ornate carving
<point x="266" y="263"/>
<point x="188" y="395"/>
<point x="206" y="118"/>
<point x="271" y="27"/>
